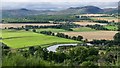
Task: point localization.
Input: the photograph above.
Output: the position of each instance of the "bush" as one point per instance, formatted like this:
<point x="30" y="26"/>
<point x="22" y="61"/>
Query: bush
<point x="34" y="30"/>
<point x="26" y="29"/>
<point x="117" y="38"/>
<point x="88" y="63"/>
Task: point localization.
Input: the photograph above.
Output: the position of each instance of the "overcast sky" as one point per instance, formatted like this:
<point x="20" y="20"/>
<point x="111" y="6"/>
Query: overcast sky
<point x="60" y="0"/>
<point x="56" y="4"/>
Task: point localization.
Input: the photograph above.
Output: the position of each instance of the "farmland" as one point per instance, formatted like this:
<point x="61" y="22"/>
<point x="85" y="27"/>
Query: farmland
<point x="109" y="19"/>
<point x="77" y="36"/>
<point x="111" y="27"/>
<point x="51" y="29"/>
<point x="15" y="25"/>
<point x="84" y="23"/>
<point x="86" y="32"/>
<point x="79" y="29"/>
<point x="108" y="35"/>
<point x="19" y="39"/>
<point x="94" y="15"/>
<point x="83" y="29"/>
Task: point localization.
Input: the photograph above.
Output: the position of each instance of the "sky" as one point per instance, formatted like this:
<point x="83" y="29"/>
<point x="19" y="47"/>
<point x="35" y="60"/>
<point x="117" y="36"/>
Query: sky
<point x="56" y="4"/>
<point x="60" y="0"/>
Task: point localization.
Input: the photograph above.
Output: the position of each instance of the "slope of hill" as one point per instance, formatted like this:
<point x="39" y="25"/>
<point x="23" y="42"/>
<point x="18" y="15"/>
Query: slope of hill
<point x="111" y="10"/>
<point x="72" y="10"/>
<point x="81" y="10"/>
<point x="89" y="9"/>
<point x="22" y="12"/>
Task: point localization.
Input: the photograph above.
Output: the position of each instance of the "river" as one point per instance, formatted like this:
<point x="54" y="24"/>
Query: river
<point x="54" y="47"/>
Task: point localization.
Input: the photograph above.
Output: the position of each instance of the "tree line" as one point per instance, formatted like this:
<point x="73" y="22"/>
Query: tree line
<point x="97" y="27"/>
<point x="101" y="21"/>
<point x="62" y="35"/>
<point x="74" y="56"/>
<point x="41" y="18"/>
<point x="65" y="26"/>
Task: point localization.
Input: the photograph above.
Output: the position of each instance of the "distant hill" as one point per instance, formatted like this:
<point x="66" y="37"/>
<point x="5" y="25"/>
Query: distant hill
<point x="111" y="10"/>
<point x="81" y="10"/>
<point x="72" y="10"/>
<point x="23" y="12"/>
<point x="88" y="9"/>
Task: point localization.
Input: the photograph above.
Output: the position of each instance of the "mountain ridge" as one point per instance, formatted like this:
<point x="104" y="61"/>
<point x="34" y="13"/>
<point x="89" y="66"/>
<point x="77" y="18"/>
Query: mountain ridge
<point x="72" y="10"/>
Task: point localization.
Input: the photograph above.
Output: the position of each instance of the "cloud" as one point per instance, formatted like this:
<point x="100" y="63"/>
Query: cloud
<point x="55" y="4"/>
<point x="60" y="0"/>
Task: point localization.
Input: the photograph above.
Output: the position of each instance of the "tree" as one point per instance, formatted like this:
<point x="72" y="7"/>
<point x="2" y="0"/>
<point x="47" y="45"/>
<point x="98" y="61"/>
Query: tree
<point x="3" y="21"/>
<point x="53" y="34"/>
<point x="66" y="36"/>
<point x="113" y="21"/>
<point x="118" y="26"/>
<point x="26" y="29"/>
<point x="59" y="57"/>
<point x="32" y="50"/>
<point x="78" y="54"/>
<point x="4" y="46"/>
<point x="5" y="27"/>
<point x="88" y="63"/>
<point x="93" y="51"/>
<point x="79" y="38"/>
<point x="50" y="56"/>
<point x="74" y="38"/>
<point x="34" y="30"/>
<point x="45" y="54"/>
<point x="22" y="27"/>
<point x="117" y="38"/>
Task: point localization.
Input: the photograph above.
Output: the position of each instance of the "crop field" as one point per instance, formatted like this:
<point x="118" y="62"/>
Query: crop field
<point x="20" y="39"/>
<point x="23" y="24"/>
<point x="105" y="18"/>
<point x="84" y="23"/>
<point x="83" y="29"/>
<point x="90" y="15"/>
<point x="108" y="35"/>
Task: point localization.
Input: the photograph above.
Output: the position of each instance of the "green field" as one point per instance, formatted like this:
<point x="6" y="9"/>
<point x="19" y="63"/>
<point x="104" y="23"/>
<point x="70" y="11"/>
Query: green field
<point x="110" y="27"/>
<point x="19" y="39"/>
<point x="83" y="29"/>
<point x="51" y="29"/>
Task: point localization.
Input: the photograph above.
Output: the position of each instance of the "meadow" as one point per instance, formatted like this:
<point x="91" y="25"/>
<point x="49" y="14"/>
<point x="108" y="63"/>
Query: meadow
<point x="20" y="39"/>
<point x="83" y="29"/>
<point x="51" y="29"/>
<point x="79" y="29"/>
<point x="111" y="27"/>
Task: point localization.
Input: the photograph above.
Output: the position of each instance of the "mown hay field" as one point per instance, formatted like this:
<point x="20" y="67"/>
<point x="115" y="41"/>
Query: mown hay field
<point x="109" y="19"/>
<point x="108" y="35"/>
<point x="84" y="23"/>
<point x="15" y="25"/>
